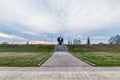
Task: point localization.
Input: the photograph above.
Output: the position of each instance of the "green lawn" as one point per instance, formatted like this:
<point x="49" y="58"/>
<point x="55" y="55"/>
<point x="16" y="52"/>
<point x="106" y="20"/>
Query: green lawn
<point x="24" y="55"/>
<point x="100" y="55"/>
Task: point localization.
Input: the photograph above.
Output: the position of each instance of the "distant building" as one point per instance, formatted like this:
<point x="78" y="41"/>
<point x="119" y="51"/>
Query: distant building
<point x="68" y="42"/>
<point x="101" y="43"/>
<point x="76" y="41"/>
<point x="5" y="43"/>
<point x="114" y="39"/>
<point x="27" y="42"/>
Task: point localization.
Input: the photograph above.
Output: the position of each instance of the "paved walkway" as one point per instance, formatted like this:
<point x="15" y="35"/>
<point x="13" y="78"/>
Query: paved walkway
<point x="64" y="59"/>
<point x="60" y="73"/>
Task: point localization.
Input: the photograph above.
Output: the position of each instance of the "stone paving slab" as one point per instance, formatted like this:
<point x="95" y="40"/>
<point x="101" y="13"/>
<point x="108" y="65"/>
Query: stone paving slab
<point x="64" y="59"/>
<point x="59" y="68"/>
<point x="59" y="73"/>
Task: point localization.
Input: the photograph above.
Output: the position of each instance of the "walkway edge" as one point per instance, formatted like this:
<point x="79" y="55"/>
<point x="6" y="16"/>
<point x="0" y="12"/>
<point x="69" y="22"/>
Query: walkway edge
<point x="39" y="65"/>
<point x="86" y="61"/>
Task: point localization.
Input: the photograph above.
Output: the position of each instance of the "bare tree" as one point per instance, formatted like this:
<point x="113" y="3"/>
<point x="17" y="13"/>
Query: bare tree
<point x="114" y="39"/>
<point x="88" y="41"/>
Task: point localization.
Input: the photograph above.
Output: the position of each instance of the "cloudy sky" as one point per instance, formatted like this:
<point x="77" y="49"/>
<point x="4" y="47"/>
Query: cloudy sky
<point x="37" y="20"/>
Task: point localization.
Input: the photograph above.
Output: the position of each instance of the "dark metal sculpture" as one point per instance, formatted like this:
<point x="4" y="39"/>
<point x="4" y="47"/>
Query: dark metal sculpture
<point x="60" y="40"/>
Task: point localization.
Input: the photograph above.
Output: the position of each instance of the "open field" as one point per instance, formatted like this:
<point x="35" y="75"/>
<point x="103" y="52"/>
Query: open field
<point x="24" y="55"/>
<point x="26" y="48"/>
<point x="100" y="55"/>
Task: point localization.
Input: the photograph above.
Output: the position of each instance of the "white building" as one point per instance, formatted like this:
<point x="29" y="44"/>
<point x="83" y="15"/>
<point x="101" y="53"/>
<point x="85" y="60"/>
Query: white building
<point x="76" y="41"/>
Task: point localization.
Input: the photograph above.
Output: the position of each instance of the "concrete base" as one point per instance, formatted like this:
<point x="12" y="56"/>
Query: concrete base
<point x="61" y="48"/>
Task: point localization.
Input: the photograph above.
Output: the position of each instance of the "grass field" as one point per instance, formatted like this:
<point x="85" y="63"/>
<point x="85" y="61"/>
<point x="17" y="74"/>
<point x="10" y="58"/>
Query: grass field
<point x="24" y="55"/>
<point x="26" y="48"/>
<point x="32" y="55"/>
<point x="100" y="55"/>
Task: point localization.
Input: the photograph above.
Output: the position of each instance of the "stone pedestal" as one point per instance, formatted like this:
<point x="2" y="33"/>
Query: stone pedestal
<point x="61" y="48"/>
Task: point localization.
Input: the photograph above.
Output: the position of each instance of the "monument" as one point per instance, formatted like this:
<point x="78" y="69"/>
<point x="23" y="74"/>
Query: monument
<point x="60" y="40"/>
<point x="60" y="46"/>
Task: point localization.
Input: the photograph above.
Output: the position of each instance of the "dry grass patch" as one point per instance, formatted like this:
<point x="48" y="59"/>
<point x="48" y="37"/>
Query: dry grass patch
<point x="22" y="59"/>
<point x="14" y="54"/>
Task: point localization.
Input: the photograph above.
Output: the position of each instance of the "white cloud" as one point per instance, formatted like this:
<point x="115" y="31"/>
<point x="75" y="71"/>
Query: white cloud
<point x="10" y="36"/>
<point x="54" y="16"/>
<point x="30" y="33"/>
<point x="17" y="11"/>
<point x="90" y="15"/>
<point x="41" y="42"/>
